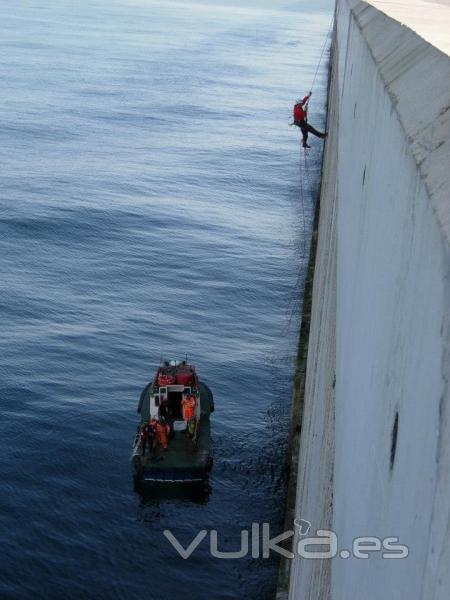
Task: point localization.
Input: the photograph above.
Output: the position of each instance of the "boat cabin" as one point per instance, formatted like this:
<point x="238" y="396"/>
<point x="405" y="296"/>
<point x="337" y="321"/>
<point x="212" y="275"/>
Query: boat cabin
<point x="171" y="397"/>
<point x="173" y="383"/>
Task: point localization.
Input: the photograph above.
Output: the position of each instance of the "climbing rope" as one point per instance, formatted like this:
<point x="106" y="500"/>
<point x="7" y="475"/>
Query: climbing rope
<point x="302" y="202"/>
<point x="319" y="62"/>
<point x="308" y="176"/>
<point x="291" y="311"/>
<point x="321" y="54"/>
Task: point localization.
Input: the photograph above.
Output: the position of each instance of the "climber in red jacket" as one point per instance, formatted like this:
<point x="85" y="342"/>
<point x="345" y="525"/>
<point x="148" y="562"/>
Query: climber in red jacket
<point x="301" y="120"/>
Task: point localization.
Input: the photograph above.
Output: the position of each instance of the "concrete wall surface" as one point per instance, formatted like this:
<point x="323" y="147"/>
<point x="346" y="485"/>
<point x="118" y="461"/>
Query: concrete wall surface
<point x="380" y="321"/>
<point x="315" y="473"/>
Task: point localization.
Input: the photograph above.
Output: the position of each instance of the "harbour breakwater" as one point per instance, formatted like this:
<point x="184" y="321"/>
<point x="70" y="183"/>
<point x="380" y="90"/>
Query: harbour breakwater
<point x="373" y="411"/>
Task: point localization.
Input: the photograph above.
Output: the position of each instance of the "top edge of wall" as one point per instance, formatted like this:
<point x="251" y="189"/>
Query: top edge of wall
<point x="409" y="42"/>
<point x="427" y="18"/>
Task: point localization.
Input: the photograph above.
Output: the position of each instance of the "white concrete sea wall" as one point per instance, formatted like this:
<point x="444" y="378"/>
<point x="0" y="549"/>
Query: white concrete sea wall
<point x="375" y="447"/>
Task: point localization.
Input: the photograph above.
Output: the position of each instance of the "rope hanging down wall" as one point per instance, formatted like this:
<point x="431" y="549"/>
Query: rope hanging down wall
<point x="306" y="166"/>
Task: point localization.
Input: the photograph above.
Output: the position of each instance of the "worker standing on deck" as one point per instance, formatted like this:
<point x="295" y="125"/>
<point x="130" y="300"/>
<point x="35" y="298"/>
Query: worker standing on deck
<point x="188" y="404"/>
<point x="301" y="120"/>
<point x="162" y="433"/>
<point x="151" y="435"/>
<point x="147" y="436"/>
<point x="152" y="426"/>
<point x="143" y="438"/>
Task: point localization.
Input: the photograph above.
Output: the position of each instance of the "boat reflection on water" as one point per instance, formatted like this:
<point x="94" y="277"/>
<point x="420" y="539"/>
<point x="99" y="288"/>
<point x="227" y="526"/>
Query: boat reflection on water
<point x="195" y="493"/>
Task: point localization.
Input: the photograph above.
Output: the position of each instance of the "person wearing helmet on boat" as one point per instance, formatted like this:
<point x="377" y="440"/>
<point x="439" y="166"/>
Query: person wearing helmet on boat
<point x="188" y="404"/>
<point x="143" y="438"/>
<point x="301" y="120"/>
<point x="147" y="436"/>
<point x="162" y="430"/>
<point x="152" y="427"/>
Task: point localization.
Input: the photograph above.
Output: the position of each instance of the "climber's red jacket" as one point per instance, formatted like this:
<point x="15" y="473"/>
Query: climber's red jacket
<point x="299" y="111"/>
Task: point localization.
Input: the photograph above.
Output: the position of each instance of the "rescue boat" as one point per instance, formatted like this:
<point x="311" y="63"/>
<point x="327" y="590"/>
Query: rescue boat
<point x="172" y="441"/>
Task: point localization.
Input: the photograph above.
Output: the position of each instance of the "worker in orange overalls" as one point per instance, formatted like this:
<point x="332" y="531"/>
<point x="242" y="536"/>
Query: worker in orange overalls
<point x="188" y="404"/>
<point x="162" y="430"/>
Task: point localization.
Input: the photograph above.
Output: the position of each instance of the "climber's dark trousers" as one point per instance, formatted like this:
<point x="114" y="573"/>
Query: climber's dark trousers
<point x="306" y="127"/>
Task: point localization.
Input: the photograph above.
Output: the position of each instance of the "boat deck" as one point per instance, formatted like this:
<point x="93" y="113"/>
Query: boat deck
<point x="184" y="460"/>
<point x="182" y="454"/>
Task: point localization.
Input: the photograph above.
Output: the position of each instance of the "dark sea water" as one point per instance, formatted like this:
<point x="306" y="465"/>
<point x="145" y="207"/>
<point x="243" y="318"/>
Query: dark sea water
<point x="150" y="205"/>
